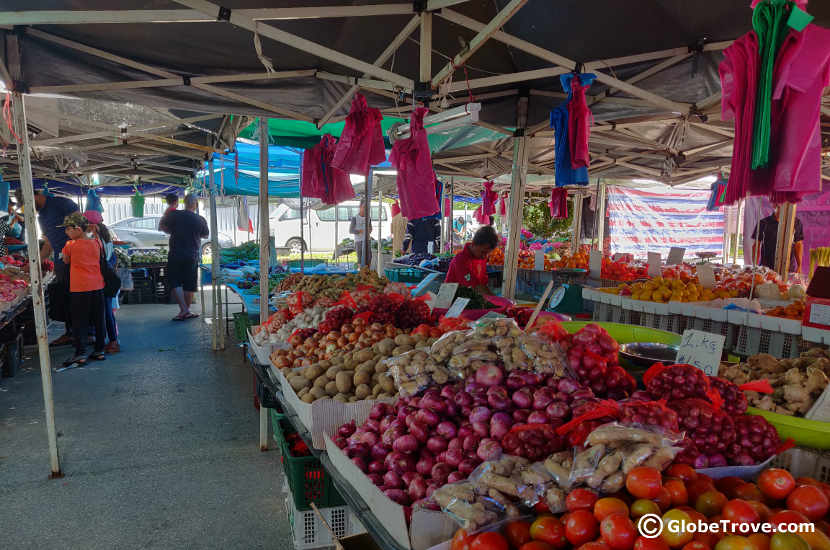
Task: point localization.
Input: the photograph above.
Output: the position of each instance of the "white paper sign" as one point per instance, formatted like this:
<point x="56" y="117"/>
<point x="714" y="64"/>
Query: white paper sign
<point x="706" y="275"/>
<point x="457" y="307"/>
<point x="595" y="264"/>
<point x="820" y="314"/>
<point x="539" y="260"/>
<point x="676" y="254"/>
<point x="446" y="294"/>
<point x="655" y="265"/>
<point x="702" y="350"/>
<point x="821" y="408"/>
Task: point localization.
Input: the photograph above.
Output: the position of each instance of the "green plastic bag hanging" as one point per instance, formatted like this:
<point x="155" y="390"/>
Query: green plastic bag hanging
<point x="137" y="202"/>
<point x="770" y="23"/>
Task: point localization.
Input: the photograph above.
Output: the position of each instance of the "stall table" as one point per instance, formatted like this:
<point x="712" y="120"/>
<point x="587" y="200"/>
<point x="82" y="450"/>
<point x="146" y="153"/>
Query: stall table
<point x="357" y="505"/>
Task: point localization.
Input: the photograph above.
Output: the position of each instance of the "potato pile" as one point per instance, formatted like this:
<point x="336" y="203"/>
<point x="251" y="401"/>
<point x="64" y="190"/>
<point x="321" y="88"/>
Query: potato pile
<point x="354" y="375"/>
<point x="797" y="382"/>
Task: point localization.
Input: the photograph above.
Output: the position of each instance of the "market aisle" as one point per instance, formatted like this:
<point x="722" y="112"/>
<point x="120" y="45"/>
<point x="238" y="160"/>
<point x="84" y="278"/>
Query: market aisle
<point x="158" y="444"/>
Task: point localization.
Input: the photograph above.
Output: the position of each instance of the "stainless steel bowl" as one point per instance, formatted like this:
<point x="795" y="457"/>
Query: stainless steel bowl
<point x="645" y="354"/>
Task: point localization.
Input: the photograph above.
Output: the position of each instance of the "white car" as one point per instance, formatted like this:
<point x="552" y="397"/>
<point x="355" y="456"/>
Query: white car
<point x="319" y="226"/>
<point x="144" y="233"/>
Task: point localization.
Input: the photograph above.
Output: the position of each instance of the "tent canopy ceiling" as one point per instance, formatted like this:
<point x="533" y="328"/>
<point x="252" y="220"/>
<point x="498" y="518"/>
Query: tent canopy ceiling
<point x="668" y="50"/>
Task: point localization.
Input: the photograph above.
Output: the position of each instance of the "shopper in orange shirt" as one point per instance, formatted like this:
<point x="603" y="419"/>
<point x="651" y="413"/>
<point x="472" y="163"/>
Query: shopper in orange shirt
<point x="86" y="287"/>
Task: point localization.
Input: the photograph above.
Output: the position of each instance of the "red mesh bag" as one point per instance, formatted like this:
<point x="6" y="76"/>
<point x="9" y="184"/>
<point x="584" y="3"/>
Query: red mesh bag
<point x="619" y="383"/>
<point x="710" y="428"/>
<point x="533" y="441"/>
<point x="734" y="400"/>
<point x="553" y="331"/>
<point x="678" y="381"/>
<point x="649" y="413"/>
<point x="335" y="318"/>
<point x="755" y="440"/>
<point x="586" y="417"/>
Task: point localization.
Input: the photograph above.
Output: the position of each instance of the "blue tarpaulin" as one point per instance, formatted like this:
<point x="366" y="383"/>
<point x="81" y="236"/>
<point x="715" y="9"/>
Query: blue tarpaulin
<point x="238" y="173"/>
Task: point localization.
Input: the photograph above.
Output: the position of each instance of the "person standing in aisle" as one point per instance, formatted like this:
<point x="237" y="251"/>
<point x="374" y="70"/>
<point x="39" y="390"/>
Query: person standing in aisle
<point x="398" y="228"/>
<point x="51" y="212"/>
<point x="357" y="227"/>
<point x="86" y="285"/>
<point x="186" y="229"/>
<point x="767" y="239"/>
<point x="101" y="232"/>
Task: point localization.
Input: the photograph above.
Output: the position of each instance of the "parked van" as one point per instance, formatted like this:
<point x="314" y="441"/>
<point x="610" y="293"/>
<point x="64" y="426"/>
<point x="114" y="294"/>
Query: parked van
<point x="319" y="225"/>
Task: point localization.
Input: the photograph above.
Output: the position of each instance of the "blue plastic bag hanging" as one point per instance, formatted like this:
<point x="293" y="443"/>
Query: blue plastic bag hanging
<point x="4" y="194"/>
<point x="93" y="202"/>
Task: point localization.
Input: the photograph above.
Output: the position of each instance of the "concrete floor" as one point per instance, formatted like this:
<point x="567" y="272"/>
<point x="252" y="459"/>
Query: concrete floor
<point x="158" y="444"/>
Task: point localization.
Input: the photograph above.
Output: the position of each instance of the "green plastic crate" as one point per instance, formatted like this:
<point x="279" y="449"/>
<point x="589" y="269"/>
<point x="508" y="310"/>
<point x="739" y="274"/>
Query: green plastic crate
<point x="241" y="323"/>
<point x="405" y="274"/>
<point x="307" y="479"/>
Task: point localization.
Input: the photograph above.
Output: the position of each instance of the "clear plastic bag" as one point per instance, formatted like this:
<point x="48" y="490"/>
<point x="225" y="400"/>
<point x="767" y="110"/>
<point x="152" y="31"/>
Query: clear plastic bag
<point x="545" y="357"/>
<point x="414" y="371"/>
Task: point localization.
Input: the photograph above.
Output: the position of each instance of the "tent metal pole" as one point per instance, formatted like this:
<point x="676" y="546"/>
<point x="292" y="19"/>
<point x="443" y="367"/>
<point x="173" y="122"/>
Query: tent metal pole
<point x="302" y="233"/>
<point x="601" y="209"/>
<point x="264" y="256"/>
<point x="441" y="226"/>
<point x="335" y="257"/>
<point x="214" y="263"/>
<point x="577" y="228"/>
<point x="450" y="232"/>
<point x="517" y="196"/>
<point x="379" y="264"/>
<point x="38" y="303"/>
<point x="367" y="213"/>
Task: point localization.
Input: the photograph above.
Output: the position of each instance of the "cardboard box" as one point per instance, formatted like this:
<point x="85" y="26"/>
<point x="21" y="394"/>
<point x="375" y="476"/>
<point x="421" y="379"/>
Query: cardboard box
<point x="428" y="528"/>
<point x="325" y="416"/>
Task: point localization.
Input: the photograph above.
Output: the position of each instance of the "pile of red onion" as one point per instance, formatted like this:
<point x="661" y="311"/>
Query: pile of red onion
<point x="711" y="429"/>
<point x="592" y="356"/>
<point x="734" y="400"/>
<point x="755" y="441"/>
<point x="677" y="382"/>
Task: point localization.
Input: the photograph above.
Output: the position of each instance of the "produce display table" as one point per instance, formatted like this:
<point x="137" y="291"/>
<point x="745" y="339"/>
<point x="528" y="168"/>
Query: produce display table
<point x="746" y="333"/>
<point x="357" y="505"/>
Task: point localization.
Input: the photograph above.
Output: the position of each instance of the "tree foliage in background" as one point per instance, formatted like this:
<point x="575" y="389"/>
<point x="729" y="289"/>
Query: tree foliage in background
<point x="537" y="220"/>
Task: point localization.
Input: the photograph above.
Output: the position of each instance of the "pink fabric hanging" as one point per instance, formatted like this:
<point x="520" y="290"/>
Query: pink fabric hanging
<point x="319" y="179"/>
<point x="558" y="203"/>
<point x="416" y="179"/>
<point x="580" y="120"/>
<point x="361" y="143"/>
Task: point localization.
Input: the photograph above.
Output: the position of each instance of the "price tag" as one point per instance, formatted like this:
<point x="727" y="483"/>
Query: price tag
<point x="446" y="294"/>
<point x="539" y="260"/>
<point x="655" y="265"/>
<point x="821" y="408"/>
<point x="819" y="314"/>
<point x="457" y="307"/>
<point x="702" y="350"/>
<point x="418" y="290"/>
<point x="706" y="275"/>
<point x="595" y="264"/>
<point x="676" y="254"/>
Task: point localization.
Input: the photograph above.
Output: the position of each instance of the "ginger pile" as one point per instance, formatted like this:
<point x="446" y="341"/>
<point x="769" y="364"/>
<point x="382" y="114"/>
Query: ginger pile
<point x="797" y="382"/>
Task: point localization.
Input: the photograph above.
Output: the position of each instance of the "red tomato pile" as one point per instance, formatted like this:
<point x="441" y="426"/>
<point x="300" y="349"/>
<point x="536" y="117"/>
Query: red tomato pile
<point x="682" y="494"/>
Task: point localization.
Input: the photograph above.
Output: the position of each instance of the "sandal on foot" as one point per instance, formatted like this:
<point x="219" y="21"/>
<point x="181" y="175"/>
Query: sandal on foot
<point x="97" y="356"/>
<point x="190" y="316"/>
<point x="78" y="359"/>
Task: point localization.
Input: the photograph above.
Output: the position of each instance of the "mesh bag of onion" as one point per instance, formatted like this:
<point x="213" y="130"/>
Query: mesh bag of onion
<point x="710" y="428"/>
<point x="734" y="399"/>
<point x="648" y="413"/>
<point x="755" y="441"/>
<point x="678" y="382"/>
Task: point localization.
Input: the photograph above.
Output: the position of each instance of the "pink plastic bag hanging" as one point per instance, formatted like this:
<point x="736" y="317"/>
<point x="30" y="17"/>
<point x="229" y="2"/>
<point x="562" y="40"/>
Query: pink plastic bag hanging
<point x="480" y="217"/>
<point x="580" y="120"/>
<point x="488" y="199"/>
<point x="502" y="206"/>
<point x="361" y="143"/>
<point x="558" y="203"/>
<point x="319" y="179"/>
<point x="416" y="179"/>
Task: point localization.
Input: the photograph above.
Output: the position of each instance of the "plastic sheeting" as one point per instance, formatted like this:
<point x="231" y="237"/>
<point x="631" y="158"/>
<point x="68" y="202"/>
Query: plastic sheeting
<point x="642" y="221"/>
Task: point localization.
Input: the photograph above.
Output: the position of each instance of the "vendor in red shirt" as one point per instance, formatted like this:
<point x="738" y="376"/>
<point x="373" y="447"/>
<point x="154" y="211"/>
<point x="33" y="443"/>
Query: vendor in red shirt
<point x="469" y="267"/>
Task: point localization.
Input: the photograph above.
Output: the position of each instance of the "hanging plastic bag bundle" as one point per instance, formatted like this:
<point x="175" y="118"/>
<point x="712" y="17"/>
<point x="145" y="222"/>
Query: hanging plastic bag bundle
<point x="361" y="143"/>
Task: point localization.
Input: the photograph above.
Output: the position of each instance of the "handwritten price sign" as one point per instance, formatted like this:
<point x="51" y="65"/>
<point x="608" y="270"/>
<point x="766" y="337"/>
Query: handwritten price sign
<point x="702" y="350"/>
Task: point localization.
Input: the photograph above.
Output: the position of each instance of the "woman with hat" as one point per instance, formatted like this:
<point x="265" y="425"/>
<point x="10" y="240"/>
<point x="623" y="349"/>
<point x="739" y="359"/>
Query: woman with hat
<point x="102" y="233"/>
